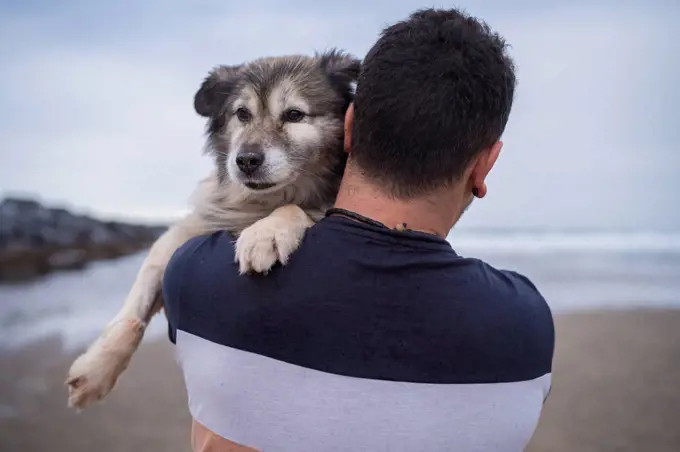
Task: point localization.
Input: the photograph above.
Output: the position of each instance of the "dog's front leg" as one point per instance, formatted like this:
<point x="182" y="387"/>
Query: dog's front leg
<point x="94" y="374"/>
<point x="271" y="239"/>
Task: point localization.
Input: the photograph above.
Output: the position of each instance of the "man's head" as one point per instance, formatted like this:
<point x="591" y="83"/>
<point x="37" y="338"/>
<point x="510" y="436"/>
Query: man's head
<point x="432" y="101"/>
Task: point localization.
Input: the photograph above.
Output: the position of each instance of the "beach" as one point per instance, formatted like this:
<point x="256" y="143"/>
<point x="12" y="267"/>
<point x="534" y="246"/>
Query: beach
<point x="615" y="388"/>
<point x="616" y="378"/>
<point x="616" y="381"/>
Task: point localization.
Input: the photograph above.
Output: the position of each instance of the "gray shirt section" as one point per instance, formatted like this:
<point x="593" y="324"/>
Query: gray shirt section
<point x="272" y="406"/>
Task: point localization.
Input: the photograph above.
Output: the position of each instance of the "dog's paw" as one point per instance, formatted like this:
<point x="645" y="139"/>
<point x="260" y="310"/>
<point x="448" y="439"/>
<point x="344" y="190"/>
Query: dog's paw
<point x="269" y="240"/>
<point x="94" y="374"/>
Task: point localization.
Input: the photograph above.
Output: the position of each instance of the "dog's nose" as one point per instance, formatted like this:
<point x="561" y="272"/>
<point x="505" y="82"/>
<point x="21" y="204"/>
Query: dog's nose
<point x="249" y="161"/>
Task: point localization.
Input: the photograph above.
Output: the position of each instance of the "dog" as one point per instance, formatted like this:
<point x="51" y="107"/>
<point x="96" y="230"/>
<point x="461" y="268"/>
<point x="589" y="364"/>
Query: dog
<point x="275" y="130"/>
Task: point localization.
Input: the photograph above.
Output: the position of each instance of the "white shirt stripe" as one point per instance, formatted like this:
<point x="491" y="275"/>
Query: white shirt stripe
<point x="276" y="406"/>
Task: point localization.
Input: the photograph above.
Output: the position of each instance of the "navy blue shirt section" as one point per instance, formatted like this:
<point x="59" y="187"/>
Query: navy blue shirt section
<point x="365" y="301"/>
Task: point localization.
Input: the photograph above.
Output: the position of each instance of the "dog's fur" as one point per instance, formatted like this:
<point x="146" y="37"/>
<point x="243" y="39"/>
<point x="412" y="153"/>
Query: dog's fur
<point x="268" y="207"/>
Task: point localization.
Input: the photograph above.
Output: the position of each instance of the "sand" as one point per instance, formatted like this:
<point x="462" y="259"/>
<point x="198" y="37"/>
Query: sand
<point x="616" y="384"/>
<point x="616" y="388"/>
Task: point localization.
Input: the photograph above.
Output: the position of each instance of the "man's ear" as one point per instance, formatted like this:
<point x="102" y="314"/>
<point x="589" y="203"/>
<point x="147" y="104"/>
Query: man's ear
<point x="349" y="122"/>
<point x="485" y="161"/>
<point x="342" y="70"/>
<point x="215" y="89"/>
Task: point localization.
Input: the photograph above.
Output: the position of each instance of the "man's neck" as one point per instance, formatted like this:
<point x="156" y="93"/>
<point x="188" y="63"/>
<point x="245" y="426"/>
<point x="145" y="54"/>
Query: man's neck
<point x="430" y="214"/>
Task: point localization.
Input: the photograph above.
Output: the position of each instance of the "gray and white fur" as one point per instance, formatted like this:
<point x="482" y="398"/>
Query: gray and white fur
<point x="275" y="131"/>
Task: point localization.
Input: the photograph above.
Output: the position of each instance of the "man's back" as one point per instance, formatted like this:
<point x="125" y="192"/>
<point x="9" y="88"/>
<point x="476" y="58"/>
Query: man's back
<point x="369" y="339"/>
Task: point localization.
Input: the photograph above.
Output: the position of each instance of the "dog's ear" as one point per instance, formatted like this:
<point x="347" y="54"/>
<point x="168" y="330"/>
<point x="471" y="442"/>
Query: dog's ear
<point x="339" y="63"/>
<point x="215" y="89"/>
<point x="341" y="68"/>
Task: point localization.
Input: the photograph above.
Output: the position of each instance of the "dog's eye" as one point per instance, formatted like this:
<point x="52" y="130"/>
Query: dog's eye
<point x="294" y="115"/>
<point x="242" y="114"/>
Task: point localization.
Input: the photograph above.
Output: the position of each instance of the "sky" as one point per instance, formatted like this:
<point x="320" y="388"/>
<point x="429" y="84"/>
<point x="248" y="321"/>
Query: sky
<point x="97" y="101"/>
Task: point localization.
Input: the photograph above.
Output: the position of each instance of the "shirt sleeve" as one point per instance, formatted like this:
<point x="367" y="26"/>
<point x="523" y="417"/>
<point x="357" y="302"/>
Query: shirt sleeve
<point x="543" y="321"/>
<point x="173" y="284"/>
<point x="179" y="282"/>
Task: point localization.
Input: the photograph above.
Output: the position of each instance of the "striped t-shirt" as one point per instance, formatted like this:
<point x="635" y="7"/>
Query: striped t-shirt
<point x="369" y="339"/>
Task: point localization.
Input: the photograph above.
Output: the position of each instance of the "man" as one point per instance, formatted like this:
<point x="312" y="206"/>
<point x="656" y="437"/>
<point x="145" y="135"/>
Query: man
<point x="377" y="335"/>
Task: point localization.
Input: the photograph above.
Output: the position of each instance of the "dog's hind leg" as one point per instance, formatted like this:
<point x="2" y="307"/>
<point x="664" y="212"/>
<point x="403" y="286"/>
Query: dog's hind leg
<point x="94" y="374"/>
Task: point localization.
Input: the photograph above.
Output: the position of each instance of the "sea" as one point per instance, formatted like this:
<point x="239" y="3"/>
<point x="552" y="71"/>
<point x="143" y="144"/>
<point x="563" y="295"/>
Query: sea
<point x="574" y="270"/>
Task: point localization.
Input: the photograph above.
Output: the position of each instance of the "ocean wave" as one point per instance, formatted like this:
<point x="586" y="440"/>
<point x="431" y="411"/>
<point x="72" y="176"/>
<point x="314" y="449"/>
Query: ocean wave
<point x="543" y="242"/>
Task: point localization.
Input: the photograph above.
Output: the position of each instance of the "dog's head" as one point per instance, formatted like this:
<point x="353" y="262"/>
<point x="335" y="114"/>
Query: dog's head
<point x="274" y="120"/>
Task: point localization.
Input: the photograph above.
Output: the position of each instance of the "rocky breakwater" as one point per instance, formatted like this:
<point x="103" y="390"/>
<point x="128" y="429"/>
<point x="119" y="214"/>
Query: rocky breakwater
<point x="36" y="239"/>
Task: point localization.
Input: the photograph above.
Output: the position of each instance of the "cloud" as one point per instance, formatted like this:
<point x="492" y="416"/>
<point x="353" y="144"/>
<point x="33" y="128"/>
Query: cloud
<point x="98" y="101"/>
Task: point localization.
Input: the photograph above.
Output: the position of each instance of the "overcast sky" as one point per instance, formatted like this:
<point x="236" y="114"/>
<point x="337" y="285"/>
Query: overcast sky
<point x="97" y="100"/>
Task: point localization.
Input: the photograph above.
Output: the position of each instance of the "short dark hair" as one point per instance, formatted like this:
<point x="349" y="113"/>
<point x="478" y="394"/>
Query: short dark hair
<point x="434" y="91"/>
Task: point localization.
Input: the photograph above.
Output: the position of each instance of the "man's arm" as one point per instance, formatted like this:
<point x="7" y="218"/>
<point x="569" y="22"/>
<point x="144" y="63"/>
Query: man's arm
<point x="172" y="286"/>
<point x="176" y="277"/>
<point x="176" y="281"/>
<point x="544" y="321"/>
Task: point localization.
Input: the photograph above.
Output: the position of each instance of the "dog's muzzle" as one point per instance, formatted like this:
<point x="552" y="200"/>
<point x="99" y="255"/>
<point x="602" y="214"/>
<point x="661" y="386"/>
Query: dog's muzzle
<point x="249" y="161"/>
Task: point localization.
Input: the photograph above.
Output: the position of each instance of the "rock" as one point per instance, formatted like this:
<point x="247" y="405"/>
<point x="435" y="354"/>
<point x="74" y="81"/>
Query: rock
<point x="35" y="239"/>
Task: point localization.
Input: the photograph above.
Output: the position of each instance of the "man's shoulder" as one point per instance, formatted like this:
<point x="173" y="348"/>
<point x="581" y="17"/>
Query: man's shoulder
<point x="496" y="321"/>
<point x="204" y="252"/>
<point x="509" y="300"/>
<point x="504" y="286"/>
